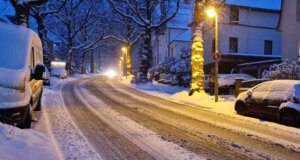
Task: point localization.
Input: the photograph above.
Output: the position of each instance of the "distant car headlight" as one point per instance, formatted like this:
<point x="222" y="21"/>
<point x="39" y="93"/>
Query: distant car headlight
<point x="110" y="73"/>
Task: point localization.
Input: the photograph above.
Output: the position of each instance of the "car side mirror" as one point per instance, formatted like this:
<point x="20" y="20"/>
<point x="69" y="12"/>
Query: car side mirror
<point x="39" y="72"/>
<point x="249" y="94"/>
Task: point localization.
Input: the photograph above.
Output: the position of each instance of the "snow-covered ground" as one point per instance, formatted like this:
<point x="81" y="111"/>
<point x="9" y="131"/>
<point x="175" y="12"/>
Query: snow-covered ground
<point x="26" y="144"/>
<point x="69" y="139"/>
<point x="53" y="135"/>
<point x="225" y="106"/>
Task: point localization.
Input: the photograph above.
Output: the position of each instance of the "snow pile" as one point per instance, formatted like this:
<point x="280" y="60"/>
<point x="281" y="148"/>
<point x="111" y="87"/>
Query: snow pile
<point x="25" y="144"/>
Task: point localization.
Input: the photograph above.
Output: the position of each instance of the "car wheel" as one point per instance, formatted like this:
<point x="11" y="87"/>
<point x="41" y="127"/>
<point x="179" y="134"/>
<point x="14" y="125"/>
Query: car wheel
<point x="240" y="108"/>
<point x="288" y="118"/>
<point x="28" y="119"/>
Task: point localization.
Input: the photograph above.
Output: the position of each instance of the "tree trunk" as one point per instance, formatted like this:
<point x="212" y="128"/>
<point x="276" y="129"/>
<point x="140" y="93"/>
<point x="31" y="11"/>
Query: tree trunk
<point x="92" y="63"/>
<point x="145" y="56"/>
<point x="22" y="15"/>
<point x="82" y="70"/>
<point x="197" y="59"/>
<point x="128" y="60"/>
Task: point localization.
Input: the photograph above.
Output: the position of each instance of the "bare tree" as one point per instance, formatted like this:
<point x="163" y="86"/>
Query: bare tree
<point x="23" y="9"/>
<point x="145" y="16"/>
<point x="68" y="23"/>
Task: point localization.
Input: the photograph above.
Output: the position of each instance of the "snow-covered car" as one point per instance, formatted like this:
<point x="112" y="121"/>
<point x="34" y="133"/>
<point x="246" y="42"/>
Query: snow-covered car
<point x="246" y="85"/>
<point x="46" y="81"/>
<point x="21" y="74"/>
<point x="58" y="69"/>
<point x="277" y="99"/>
<point x="227" y="82"/>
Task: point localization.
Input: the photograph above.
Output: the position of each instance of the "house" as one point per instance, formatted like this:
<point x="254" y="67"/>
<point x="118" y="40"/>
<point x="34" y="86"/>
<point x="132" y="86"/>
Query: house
<point x="169" y="40"/>
<point x="248" y="39"/>
<point x="289" y="25"/>
<point x="247" y="33"/>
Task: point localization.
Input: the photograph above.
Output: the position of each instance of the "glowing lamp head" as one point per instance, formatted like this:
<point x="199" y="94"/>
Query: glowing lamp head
<point x="211" y="13"/>
<point x="110" y="73"/>
<point x="124" y="49"/>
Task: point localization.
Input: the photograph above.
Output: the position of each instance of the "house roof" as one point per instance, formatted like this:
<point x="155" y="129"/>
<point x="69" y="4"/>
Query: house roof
<point x="259" y="4"/>
<point x="185" y="36"/>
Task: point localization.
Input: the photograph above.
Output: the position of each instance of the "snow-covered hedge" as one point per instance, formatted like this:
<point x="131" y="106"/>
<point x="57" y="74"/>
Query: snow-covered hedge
<point x="176" y="71"/>
<point x="288" y="69"/>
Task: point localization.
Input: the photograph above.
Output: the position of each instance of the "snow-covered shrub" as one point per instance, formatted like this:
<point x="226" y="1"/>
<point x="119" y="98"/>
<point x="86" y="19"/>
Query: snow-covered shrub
<point x="178" y="69"/>
<point x="288" y="69"/>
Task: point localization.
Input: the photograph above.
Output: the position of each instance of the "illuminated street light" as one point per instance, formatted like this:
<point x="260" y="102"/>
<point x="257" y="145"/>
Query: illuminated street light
<point x="211" y="13"/>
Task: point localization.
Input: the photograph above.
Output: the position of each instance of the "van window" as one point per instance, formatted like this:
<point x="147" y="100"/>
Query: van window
<point x="32" y="58"/>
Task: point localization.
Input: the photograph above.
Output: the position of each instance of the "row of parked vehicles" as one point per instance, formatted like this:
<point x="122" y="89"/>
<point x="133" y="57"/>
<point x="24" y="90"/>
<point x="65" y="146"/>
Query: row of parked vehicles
<point x="274" y="100"/>
<point x="22" y="75"/>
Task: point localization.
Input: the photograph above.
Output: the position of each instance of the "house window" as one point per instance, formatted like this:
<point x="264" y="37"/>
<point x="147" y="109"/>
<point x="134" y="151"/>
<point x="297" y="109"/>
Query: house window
<point x="233" y="45"/>
<point x="298" y="10"/>
<point x="213" y="46"/>
<point x="234" y="14"/>
<point x="268" y="47"/>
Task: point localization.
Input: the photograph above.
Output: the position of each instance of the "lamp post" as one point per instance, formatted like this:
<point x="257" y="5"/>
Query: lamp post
<point x="124" y="49"/>
<point x="211" y="13"/>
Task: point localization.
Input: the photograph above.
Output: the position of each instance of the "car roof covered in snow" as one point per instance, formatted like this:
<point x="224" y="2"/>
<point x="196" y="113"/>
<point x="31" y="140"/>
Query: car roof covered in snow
<point x="15" y="41"/>
<point x="259" y="4"/>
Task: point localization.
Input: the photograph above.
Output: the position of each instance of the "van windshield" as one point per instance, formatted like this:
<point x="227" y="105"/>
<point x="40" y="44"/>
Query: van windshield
<point x="12" y="55"/>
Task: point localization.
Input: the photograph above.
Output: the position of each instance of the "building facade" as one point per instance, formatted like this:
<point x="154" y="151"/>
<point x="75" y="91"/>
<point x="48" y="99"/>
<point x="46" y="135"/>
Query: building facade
<point x="247" y="33"/>
<point x="289" y="25"/>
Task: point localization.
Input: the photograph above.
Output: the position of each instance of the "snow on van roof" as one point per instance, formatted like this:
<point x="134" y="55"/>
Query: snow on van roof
<point x="14" y="40"/>
<point x="260" y="4"/>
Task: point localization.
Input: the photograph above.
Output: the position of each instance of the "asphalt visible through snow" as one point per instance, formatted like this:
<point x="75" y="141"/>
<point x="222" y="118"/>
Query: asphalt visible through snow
<point x="111" y="139"/>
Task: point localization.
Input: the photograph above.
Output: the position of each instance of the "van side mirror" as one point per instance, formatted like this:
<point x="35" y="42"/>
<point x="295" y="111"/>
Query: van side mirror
<point x="39" y="72"/>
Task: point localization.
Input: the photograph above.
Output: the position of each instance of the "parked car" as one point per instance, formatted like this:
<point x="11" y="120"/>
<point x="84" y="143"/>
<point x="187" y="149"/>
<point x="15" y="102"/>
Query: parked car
<point x="46" y="81"/>
<point x="227" y="82"/>
<point x="21" y="74"/>
<point x="58" y="69"/>
<point x="277" y="99"/>
<point x="246" y="85"/>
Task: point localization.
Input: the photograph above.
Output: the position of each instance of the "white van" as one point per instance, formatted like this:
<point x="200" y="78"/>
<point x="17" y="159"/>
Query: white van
<point x="21" y="74"/>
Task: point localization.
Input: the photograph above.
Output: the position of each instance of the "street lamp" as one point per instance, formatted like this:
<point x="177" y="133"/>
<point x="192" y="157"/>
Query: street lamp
<point x="211" y="13"/>
<point x="124" y="49"/>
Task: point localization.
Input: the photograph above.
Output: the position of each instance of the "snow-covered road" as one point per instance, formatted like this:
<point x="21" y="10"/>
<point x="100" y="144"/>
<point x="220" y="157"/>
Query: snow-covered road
<point x="122" y="123"/>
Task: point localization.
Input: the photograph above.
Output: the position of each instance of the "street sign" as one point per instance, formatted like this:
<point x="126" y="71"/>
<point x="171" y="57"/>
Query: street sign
<point x="216" y="56"/>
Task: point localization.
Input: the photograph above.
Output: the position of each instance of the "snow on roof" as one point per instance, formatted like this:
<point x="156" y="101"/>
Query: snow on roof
<point x="260" y="4"/>
<point x="186" y="36"/>
<point x="183" y="18"/>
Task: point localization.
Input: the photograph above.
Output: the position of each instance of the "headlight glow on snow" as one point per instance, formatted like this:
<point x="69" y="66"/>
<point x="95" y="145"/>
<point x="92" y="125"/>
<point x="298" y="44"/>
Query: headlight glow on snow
<point x="110" y="73"/>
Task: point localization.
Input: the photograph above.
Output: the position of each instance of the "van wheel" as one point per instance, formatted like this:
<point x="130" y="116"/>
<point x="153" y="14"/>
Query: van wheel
<point x="39" y="104"/>
<point x="288" y="118"/>
<point x="28" y="119"/>
<point x="240" y="108"/>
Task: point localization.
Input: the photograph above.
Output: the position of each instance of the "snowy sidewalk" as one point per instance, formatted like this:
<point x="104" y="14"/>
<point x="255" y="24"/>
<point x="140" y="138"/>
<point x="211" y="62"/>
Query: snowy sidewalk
<point x="69" y="139"/>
